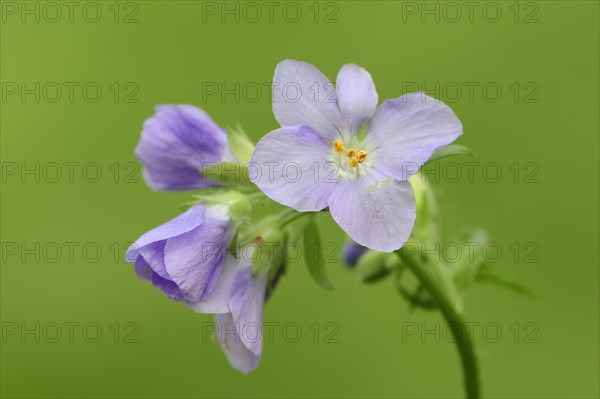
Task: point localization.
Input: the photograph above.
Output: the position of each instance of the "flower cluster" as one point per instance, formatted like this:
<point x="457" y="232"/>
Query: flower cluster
<point x="352" y="158"/>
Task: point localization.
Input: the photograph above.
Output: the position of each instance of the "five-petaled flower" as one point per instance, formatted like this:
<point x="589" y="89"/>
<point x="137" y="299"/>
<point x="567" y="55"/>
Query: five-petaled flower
<point x="362" y="180"/>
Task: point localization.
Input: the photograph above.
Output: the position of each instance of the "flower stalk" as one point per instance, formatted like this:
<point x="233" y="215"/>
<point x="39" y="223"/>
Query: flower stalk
<point x="453" y="316"/>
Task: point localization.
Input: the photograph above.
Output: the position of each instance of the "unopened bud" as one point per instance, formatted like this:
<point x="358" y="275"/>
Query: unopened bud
<point x="375" y="265"/>
<point x="352" y="253"/>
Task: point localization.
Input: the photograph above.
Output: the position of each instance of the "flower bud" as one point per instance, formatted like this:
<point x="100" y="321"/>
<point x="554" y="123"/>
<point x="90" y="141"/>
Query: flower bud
<point x="176" y="142"/>
<point x="269" y="240"/>
<point x="352" y="253"/>
<point x="375" y="265"/>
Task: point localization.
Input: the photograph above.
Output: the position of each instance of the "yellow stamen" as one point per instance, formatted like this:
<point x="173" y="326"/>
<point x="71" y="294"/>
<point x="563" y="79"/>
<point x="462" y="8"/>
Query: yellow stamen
<point x="353" y="162"/>
<point x="360" y="156"/>
<point x="338" y="146"/>
<point x="351" y="153"/>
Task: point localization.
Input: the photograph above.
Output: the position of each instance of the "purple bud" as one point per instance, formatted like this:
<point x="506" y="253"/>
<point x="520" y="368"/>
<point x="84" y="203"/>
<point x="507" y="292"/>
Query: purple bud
<point x="352" y="253"/>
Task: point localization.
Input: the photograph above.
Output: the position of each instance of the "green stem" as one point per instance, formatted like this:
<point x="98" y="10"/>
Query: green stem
<point x="455" y="320"/>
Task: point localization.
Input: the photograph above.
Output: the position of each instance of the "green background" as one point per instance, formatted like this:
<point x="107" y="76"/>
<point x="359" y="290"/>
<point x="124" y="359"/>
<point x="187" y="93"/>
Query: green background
<point x="168" y="54"/>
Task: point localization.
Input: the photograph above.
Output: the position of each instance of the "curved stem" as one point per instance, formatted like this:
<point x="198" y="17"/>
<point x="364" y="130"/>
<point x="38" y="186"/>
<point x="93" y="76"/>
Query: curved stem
<point x="455" y="320"/>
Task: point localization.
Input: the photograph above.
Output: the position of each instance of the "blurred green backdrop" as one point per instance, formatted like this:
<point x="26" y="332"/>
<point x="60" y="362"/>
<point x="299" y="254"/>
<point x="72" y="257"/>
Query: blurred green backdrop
<point x="523" y="78"/>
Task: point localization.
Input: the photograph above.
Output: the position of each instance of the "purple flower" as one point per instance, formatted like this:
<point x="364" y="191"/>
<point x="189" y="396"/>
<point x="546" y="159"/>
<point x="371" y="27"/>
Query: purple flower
<point x="238" y="302"/>
<point x="176" y="143"/>
<point x="184" y="257"/>
<point x="318" y="159"/>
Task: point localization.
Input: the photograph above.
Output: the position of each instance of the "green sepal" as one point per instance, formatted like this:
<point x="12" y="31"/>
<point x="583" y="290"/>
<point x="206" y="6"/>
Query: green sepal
<point x="233" y="246"/>
<point x="227" y="173"/>
<point x="240" y="144"/>
<point x="238" y="205"/>
<point x="313" y="254"/>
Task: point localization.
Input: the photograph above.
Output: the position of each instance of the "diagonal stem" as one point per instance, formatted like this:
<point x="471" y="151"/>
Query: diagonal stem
<point x="455" y="320"/>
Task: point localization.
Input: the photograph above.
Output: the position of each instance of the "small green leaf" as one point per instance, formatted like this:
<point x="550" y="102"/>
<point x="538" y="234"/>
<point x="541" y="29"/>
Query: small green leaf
<point x="227" y="173"/>
<point x="450" y="151"/>
<point x="239" y="211"/>
<point x="313" y="253"/>
<point x="487" y="274"/>
<point x="241" y="146"/>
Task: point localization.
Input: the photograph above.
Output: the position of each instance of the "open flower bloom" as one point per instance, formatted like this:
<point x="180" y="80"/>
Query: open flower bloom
<point x="318" y="159"/>
<point x="176" y="143"/>
<point x="184" y="257"/>
<point x="238" y="302"/>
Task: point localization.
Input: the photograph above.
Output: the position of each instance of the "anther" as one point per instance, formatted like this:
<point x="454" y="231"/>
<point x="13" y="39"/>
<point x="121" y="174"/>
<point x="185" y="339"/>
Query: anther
<point x="338" y="146"/>
<point x="360" y="156"/>
<point x="351" y="153"/>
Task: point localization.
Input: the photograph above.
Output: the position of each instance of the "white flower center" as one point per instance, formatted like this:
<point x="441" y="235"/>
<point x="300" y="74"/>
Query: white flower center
<point x="348" y="160"/>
